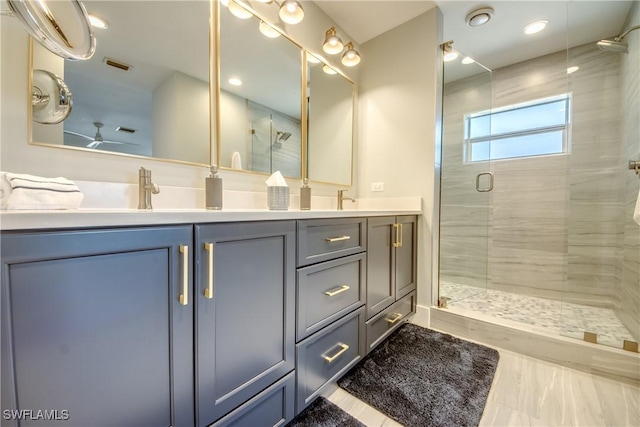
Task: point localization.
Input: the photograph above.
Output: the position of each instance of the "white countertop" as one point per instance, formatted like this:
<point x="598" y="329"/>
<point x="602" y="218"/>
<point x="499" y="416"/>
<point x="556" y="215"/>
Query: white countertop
<point x="85" y="218"/>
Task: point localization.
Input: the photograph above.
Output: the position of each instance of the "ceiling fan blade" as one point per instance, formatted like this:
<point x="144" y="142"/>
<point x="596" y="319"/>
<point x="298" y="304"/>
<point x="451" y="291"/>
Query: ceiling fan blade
<point x="94" y="144"/>
<point x="68" y="132"/>
<point x="119" y="143"/>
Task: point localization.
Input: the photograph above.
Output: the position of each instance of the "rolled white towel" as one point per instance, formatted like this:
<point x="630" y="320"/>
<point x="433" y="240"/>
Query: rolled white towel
<point x="5" y="190"/>
<point x="36" y="192"/>
<point x="236" y="161"/>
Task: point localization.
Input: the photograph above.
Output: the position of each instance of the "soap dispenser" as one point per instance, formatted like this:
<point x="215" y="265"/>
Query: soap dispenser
<point x="305" y="196"/>
<point x="213" y="190"/>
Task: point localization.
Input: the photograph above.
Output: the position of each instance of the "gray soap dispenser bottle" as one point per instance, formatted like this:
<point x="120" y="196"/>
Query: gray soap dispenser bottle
<point x="305" y="196"/>
<point x="213" y="190"/>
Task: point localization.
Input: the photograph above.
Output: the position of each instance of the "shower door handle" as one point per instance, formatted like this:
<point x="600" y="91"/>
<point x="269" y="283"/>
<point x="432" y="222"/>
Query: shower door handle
<point x="487" y="189"/>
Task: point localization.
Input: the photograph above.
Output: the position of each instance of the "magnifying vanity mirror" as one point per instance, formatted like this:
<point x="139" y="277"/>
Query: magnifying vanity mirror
<point x="146" y="90"/>
<point x="330" y="105"/>
<point x="260" y="91"/>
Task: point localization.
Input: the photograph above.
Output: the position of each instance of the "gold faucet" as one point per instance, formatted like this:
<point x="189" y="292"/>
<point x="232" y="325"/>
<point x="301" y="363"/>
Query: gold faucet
<point x="341" y="198"/>
<point x="145" y="189"/>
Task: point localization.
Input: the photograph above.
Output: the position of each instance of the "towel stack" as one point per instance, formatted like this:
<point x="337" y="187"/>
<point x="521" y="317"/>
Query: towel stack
<point x="21" y="191"/>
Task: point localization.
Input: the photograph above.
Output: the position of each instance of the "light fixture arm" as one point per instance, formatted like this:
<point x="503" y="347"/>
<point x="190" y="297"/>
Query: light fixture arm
<point x="623" y="35"/>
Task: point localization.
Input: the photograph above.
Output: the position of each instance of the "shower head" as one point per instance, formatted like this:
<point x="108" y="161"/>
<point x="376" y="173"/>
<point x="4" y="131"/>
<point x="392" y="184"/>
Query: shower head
<point x="613" y="46"/>
<point x="617" y="45"/>
<point x="282" y="136"/>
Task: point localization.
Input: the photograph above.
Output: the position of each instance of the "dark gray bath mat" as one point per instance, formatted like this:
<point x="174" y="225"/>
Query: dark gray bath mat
<point x="421" y="377"/>
<point x="322" y="413"/>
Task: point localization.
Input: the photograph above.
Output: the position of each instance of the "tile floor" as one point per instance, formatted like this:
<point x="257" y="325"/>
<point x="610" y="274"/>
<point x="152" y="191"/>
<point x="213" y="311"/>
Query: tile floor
<point x="532" y="392"/>
<point x="562" y="318"/>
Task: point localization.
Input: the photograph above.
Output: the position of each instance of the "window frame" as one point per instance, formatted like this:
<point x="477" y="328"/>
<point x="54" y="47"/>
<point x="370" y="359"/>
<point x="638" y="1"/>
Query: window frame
<point x="565" y="128"/>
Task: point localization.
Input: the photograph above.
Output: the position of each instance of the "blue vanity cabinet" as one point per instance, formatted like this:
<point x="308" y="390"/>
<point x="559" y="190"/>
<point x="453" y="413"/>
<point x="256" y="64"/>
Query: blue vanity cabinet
<point x="245" y="317"/>
<point x="391" y="274"/>
<point x="97" y="327"/>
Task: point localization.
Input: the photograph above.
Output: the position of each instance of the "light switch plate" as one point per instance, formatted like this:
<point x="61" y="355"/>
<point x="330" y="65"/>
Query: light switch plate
<point x="377" y="186"/>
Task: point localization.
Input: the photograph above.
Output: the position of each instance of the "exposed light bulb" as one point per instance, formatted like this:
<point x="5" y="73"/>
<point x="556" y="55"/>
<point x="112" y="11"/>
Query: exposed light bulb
<point x="450" y="56"/>
<point x="572" y="70"/>
<point x="235" y="81"/>
<point x="268" y="31"/>
<point x="351" y="57"/>
<point x="239" y="11"/>
<point x="467" y="60"/>
<point x="313" y="58"/>
<point x="332" y="43"/>
<point x="291" y="12"/>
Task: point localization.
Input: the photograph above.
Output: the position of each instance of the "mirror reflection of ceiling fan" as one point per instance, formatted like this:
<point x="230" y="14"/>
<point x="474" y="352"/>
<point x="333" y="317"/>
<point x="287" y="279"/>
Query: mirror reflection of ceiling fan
<point x="97" y="139"/>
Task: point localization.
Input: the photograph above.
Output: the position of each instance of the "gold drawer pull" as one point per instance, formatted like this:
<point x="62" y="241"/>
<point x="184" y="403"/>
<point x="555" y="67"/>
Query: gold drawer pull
<point x="330" y="359"/>
<point x="184" y="296"/>
<point x="398" y="240"/>
<point x="397" y="317"/>
<point x="337" y="291"/>
<point x="208" y="292"/>
<point x="337" y="239"/>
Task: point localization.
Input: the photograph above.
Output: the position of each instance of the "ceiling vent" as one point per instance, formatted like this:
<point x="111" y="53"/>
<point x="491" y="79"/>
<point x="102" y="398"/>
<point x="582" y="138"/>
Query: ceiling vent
<point x="479" y="17"/>
<point x="117" y="64"/>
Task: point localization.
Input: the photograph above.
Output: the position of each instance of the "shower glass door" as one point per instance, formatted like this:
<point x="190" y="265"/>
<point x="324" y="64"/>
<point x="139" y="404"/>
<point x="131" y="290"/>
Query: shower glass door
<point x="466" y="183"/>
<point x="261" y="137"/>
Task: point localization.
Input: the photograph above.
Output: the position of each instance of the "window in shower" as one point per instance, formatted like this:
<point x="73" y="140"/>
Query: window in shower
<point x="535" y="128"/>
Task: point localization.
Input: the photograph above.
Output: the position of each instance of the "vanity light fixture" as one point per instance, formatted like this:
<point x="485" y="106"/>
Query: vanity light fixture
<point x="449" y="53"/>
<point x="467" y="60"/>
<point x="332" y="43"/>
<point x="291" y="12"/>
<point x="312" y="58"/>
<point x="351" y="57"/>
<point x="535" y="27"/>
<point x="97" y="22"/>
<point x="268" y="31"/>
<point x="238" y="11"/>
<point x="235" y="81"/>
<point x="328" y="69"/>
<point x="572" y="70"/>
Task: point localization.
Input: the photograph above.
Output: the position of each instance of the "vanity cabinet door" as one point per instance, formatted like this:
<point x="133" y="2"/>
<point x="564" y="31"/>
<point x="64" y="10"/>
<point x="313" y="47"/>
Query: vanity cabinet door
<point x="406" y="251"/>
<point x="94" y="329"/>
<point x="381" y="287"/>
<point x="245" y="312"/>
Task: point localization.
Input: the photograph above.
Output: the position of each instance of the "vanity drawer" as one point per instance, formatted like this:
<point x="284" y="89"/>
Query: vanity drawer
<point x="329" y="290"/>
<point x="385" y="322"/>
<point x="323" y="240"/>
<point x="272" y="407"/>
<point x="325" y="356"/>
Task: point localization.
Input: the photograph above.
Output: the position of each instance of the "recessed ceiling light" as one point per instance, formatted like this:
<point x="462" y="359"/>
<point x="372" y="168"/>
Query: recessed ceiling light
<point x="536" y="26"/>
<point x="572" y="70"/>
<point x="479" y="17"/>
<point x="98" y="22"/>
<point x="467" y="60"/>
<point x="450" y="56"/>
<point x="235" y="81"/>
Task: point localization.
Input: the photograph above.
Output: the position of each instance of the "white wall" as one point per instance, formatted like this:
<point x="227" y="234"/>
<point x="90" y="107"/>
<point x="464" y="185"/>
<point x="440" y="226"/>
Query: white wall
<point x="398" y="92"/>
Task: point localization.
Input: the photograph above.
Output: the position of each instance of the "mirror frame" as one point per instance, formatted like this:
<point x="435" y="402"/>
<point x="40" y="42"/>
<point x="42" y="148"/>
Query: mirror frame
<point x="303" y="94"/>
<point x="212" y="107"/>
<point x="353" y="119"/>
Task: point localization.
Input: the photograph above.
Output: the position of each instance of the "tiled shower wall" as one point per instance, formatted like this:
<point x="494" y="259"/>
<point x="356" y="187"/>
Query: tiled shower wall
<point x="551" y="227"/>
<point x="627" y="283"/>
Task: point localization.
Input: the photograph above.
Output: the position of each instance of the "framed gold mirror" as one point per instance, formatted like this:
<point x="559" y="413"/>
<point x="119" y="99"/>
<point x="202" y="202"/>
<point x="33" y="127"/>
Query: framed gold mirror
<point x="146" y="91"/>
<point x="260" y="121"/>
<point x="330" y="107"/>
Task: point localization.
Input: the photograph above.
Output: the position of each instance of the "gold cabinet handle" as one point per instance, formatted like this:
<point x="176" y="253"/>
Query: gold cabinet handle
<point x="184" y="296"/>
<point x="330" y="359"/>
<point x="208" y="292"/>
<point x="337" y="239"/>
<point x="337" y="291"/>
<point x="396" y="242"/>
<point x="397" y="317"/>
<point x="400" y="238"/>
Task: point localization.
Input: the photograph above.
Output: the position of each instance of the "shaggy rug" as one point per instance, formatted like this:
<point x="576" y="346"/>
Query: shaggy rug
<point x="322" y="413"/>
<point x="421" y="377"/>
